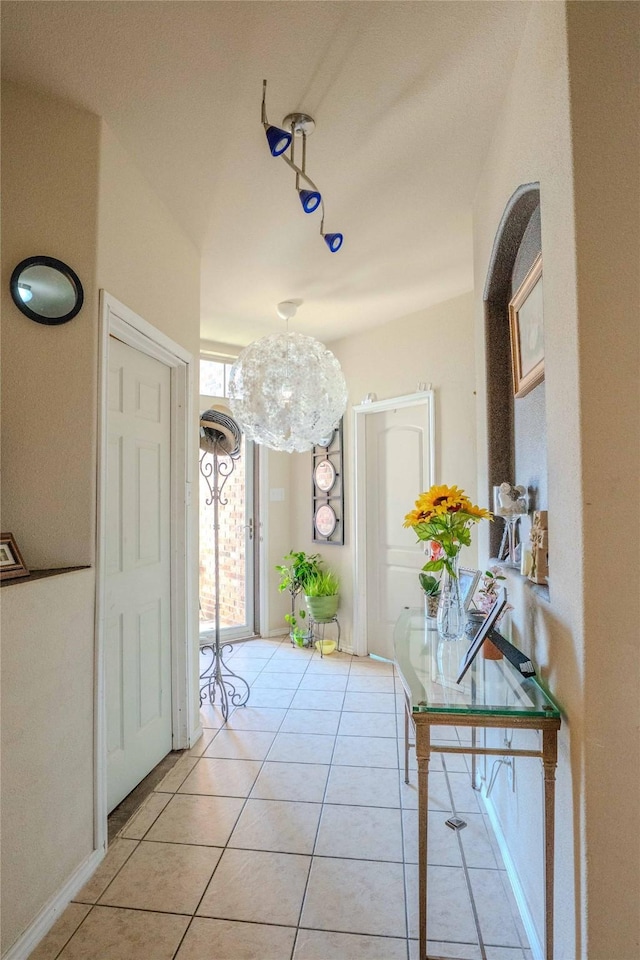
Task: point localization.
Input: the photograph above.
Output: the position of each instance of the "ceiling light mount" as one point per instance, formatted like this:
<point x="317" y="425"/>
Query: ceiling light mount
<point x="287" y="309"/>
<point x="282" y="144"/>
<point x="300" y="124"/>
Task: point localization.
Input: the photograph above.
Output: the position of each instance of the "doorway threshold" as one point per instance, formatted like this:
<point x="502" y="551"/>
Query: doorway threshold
<point x="127" y="807"/>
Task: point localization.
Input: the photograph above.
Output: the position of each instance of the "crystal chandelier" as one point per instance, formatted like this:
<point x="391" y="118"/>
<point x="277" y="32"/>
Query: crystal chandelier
<point x="287" y="390"/>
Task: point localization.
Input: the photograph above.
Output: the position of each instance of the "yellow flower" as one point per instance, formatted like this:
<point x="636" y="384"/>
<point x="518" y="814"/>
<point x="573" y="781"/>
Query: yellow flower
<point x="413" y="518"/>
<point x="478" y="512"/>
<point x="440" y="501"/>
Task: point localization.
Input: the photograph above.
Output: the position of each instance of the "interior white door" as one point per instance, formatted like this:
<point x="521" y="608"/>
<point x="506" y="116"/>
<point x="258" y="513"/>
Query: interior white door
<point x="398" y="468"/>
<point x="138" y="568"/>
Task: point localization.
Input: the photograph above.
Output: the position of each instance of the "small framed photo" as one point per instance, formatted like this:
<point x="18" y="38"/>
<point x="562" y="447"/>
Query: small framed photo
<point x="468" y="580"/>
<point x="483" y="633"/>
<point x="11" y="562"/>
<point x="527" y="332"/>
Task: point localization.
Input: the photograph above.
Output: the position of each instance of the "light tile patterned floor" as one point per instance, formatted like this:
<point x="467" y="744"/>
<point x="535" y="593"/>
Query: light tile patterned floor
<point x="289" y="834"/>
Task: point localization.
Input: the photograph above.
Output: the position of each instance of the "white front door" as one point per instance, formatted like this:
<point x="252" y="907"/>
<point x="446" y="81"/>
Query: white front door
<point x="398" y="467"/>
<point x="138" y="568"/>
<point x="237" y="519"/>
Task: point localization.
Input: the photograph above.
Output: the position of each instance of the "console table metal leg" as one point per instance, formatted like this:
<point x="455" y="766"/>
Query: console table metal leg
<point x="549" y="761"/>
<point x="406" y="741"/>
<point x="424" y="752"/>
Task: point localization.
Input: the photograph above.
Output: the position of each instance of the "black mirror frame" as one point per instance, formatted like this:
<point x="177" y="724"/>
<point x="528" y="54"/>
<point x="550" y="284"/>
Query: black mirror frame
<point x="62" y="268"/>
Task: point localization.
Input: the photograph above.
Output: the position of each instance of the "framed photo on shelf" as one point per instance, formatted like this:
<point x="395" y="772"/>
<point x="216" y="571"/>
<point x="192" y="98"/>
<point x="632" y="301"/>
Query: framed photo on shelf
<point x="526" y="325"/>
<point x="483" y="633"/>
<point x="468" y="582"/>
<point x="11" y="562"/>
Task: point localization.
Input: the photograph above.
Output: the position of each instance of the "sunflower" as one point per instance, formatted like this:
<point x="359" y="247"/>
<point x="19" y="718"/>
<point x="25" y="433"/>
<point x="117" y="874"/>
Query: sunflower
<point x="445" y="505"/>
<point x="478" y="513"/>
<point x="444" y="515"/>
<point x="442" y="499"/>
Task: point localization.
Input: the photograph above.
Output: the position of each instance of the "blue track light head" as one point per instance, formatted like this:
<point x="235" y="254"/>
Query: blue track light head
<point x="279" y="140"/>
<point x="333" y="241"/>
<point x="310" y="200"/>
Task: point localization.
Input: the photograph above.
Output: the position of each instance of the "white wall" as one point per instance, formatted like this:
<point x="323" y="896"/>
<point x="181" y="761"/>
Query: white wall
<point x="146" y="262"/>
<point x="50" y="159"/>
<point x="276" y="525"/>
<point x="47" y="741"/>
<point x="434" y="346"/>
<point x="69" y="191"/>
<point x="604" y="77"/>
<point x="579" y="87"/>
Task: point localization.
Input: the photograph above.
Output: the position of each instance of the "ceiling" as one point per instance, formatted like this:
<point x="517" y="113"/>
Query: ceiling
<point x="404" y="95"/>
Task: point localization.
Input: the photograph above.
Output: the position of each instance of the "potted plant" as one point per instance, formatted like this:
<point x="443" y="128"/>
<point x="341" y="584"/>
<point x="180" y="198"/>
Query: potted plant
<point x="293" y="575"/>
<point x="431" y="589"/>
<point x="321" y="595"/>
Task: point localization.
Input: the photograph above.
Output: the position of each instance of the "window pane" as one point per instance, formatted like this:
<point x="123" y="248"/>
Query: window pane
<point x="227" y="374"/>
<point x="212" y="378"/>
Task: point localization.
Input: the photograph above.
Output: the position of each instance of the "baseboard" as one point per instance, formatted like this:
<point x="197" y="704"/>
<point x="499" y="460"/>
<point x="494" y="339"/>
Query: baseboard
<point x="29" y="940"/>
<point x="525" y="913"/>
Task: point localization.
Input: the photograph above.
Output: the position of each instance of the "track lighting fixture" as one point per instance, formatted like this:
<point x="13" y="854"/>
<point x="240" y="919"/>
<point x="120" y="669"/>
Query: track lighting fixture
<point x="310" y="200"/>
<point x="333" y="241"/>
<point x="280" y="140"/>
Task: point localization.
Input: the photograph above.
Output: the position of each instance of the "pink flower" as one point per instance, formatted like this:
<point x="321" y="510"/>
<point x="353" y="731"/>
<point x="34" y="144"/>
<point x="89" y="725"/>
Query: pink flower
<point x="435" y="550"/>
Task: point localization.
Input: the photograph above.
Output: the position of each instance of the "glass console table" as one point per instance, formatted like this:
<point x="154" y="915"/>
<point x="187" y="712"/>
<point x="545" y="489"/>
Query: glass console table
<point x="492" y="694"/>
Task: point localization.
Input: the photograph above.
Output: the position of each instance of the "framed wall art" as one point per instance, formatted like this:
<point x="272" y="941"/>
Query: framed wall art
<point x="327" y="490"/>
<point x="11" y="562"/>
<point x="526" y="324"/>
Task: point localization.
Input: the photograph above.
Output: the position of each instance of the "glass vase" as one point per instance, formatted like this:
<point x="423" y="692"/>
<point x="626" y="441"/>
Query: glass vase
<point x="451" y="618"/>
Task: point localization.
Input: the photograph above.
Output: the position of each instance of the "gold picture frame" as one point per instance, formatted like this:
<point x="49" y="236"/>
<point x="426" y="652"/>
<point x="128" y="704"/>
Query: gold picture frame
<point x="526" y="324"/>
<point x="11" y="562"/>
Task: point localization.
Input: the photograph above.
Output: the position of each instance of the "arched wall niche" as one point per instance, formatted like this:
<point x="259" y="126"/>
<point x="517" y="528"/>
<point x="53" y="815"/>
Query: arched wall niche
<point x="516" y="429"/>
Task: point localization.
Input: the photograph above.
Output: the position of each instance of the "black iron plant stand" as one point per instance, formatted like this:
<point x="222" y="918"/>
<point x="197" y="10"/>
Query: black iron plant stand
<point x="220" y="446"/>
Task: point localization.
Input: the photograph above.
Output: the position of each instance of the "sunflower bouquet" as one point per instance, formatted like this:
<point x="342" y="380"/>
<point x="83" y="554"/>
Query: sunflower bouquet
<point x="443" y="517"/>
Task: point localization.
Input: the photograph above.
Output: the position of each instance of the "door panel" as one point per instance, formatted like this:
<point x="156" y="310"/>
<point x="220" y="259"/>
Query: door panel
<point x="397" y="468"/>
<point x="137" y="583"/>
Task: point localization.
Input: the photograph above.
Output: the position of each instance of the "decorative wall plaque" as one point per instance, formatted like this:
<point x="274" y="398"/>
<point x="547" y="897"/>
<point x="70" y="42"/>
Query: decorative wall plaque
<point x="328" y="489"/>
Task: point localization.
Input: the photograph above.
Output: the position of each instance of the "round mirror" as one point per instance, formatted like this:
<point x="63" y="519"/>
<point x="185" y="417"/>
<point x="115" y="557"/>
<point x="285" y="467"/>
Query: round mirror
<point x="46" y="290"/>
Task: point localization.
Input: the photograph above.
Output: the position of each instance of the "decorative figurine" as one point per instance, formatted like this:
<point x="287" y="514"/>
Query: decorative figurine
<point x="512" y="500"/>
<point x="510" y="503"/>
<point x="539" y="537"/>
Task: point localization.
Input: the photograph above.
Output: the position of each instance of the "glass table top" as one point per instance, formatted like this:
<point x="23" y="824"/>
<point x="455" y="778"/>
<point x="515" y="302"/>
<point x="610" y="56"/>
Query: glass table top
<point x="429" y="667"/>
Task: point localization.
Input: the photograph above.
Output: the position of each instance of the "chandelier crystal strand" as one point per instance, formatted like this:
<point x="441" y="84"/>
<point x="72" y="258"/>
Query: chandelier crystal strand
<point x="287" y="391"/>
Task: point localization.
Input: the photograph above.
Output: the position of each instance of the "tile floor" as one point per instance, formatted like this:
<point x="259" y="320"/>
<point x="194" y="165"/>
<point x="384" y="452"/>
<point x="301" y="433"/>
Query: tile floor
<point x="289" y="834"/>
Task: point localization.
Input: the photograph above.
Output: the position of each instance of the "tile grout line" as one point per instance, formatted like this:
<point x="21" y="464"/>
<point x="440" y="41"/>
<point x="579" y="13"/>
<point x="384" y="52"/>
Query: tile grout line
<point x="467" y="879"/>
<point x="226" y="845"/>
<point x="315" y="839"/>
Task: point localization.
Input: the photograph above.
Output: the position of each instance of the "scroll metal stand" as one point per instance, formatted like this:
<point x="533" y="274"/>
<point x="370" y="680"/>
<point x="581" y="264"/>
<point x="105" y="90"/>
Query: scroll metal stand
<point x="216" y="470"/>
